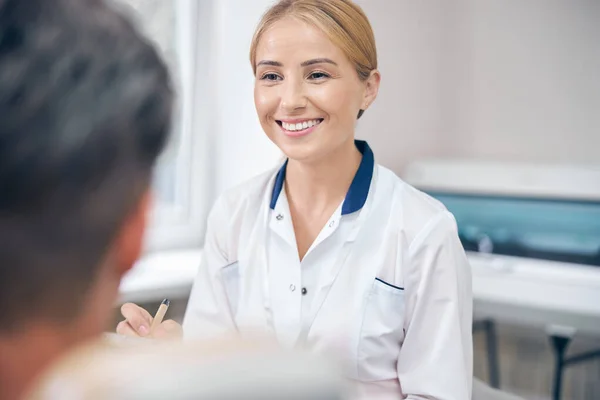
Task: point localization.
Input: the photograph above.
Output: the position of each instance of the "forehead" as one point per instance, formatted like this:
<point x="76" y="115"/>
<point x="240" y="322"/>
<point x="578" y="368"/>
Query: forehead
<point x="292" y="38"/>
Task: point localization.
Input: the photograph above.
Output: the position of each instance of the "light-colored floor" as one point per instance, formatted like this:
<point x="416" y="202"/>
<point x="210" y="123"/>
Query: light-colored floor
<point x="525" y="357"/>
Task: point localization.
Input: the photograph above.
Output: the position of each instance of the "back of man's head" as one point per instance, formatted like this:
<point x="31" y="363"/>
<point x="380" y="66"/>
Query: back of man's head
<point x="85" y="106"/>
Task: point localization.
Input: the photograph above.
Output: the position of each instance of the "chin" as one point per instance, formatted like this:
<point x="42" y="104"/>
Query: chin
<point x="300" y="151"/>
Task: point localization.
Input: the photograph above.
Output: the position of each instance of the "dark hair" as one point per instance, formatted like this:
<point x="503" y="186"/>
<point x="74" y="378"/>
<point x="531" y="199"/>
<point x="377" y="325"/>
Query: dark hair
<point x="85" y="109"/>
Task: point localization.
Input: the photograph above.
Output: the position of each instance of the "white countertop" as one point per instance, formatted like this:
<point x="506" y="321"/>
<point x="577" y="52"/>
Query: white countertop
<point x="161" y="275"/>
<point x="536" y="292"/>
<point x="530" y="292"/>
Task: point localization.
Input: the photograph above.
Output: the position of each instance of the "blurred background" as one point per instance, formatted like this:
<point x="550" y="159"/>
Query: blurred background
<point x="492" y="106"/>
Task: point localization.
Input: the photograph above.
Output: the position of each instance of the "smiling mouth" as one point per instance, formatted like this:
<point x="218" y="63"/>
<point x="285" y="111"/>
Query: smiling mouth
<point x="299" y="126"/>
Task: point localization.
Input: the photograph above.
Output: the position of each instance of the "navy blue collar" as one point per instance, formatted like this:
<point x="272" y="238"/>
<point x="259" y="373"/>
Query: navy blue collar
<point x="359" y="189"/>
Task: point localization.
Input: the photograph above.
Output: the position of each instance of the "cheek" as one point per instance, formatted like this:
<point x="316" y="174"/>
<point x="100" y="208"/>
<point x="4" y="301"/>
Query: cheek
<point x="339" y="101"/>
<point x="265" y="103"/>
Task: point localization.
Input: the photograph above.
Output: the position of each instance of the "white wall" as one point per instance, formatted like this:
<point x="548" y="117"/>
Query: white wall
<point x="531" y="86"/>
<point x="503" y="79"/>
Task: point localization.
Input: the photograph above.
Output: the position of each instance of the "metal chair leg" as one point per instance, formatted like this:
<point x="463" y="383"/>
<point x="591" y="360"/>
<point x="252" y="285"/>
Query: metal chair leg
<point x="492" y="353"/>
<point x="559" y="345"/>
<point x="489" y="329"/>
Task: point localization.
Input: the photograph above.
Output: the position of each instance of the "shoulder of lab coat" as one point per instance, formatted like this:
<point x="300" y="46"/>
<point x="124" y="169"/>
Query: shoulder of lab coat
<point x="436" y="358"/>
<point x="208" y="314"/>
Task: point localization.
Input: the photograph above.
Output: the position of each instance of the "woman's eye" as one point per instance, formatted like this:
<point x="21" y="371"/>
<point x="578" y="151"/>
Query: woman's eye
<point x="318" y="75"/>
<point x="270" y="77"/>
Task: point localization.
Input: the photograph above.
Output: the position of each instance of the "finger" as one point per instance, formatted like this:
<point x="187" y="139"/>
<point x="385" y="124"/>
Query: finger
<point x="171" y="326"/>
<point x="169" y="329"/>
<point x="123" y="328"/>
<point x="131" y="308"/>
<point x="138" y="318"/>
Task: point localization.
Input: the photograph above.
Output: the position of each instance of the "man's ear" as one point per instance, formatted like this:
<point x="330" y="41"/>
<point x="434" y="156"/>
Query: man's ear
<point x="372" y="88"/>
<point x="130" y="240"/>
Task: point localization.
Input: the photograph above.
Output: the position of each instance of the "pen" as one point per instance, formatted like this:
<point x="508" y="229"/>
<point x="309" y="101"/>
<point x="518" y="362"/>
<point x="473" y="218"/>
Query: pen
<point x="160" y="314"/>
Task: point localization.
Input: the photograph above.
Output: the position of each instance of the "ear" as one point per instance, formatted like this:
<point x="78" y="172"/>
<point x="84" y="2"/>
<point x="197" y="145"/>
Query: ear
<point x="130" y="240"/>
<point x="371" y="89"/>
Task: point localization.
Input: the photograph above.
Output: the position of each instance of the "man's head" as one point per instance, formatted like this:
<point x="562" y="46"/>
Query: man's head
<point x="85" y="107"/>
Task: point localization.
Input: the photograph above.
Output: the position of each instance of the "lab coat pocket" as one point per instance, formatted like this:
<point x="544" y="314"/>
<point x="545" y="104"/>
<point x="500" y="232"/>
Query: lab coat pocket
<point x="230" y="275"/>
<point x="381" y="333"/>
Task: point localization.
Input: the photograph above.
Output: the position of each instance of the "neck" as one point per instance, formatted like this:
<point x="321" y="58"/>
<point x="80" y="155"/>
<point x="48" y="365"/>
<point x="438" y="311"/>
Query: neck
<point x="25" y="354"/>
<point x="316" y="185"/>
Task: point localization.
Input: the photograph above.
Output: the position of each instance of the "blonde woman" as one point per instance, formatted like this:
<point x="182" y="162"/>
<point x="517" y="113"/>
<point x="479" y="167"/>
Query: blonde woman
<point x="333" y="252"/>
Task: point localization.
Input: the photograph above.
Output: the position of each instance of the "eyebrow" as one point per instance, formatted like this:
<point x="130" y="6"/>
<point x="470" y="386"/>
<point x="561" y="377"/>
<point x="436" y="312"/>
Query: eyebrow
<point x="270" y="63"/>
<point x="304" y="64"/>
<point x="318" y="61"/>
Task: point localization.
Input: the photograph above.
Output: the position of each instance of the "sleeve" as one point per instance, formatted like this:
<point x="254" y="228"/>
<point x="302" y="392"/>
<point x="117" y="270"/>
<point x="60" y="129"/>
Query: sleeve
<point x="436" y="358"/>
<point x="208" y="314"/>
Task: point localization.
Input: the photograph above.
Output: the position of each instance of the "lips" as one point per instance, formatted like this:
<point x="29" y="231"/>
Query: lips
<point x="298" y="127"/>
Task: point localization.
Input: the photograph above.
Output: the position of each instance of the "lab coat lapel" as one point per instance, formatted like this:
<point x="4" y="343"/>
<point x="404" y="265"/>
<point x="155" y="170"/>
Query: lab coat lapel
<point x="329" y="277"/>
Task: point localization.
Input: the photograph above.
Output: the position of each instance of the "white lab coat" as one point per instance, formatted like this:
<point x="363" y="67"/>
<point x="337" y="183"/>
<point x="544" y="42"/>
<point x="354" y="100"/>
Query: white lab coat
<point x="395" y="303"/>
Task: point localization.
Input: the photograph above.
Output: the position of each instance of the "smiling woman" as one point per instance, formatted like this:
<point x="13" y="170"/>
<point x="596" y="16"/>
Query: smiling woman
<point x="331" y="251"/>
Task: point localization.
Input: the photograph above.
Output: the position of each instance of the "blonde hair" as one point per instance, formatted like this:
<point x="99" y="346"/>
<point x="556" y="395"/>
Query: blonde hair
<point x="344" y="23"/>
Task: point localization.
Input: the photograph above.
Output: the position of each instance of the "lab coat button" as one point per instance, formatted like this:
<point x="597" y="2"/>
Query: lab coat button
<point x="304" y="291"/>
<point x="292" y="287"/>
<point x="279" y="217"/>
<point x="331" y="224"/>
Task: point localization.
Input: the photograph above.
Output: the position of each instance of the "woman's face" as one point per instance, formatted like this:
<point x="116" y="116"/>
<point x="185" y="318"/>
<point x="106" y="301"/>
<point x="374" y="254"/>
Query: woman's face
<point x="307" y="93"/>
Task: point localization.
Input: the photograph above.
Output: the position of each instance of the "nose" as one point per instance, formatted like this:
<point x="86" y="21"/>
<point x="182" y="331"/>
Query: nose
<point x="293" y="97"/>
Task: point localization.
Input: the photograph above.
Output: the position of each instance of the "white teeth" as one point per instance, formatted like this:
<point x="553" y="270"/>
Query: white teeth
<point x="300" y="125"/>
